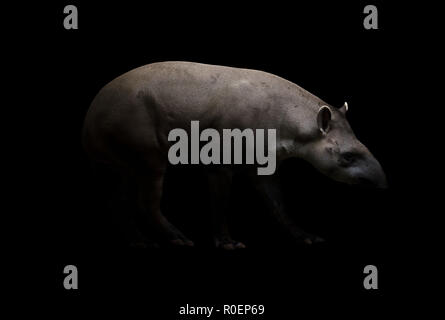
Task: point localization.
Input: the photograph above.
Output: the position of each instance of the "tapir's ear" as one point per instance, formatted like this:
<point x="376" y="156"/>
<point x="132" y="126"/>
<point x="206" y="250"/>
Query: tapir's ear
<point x="344" y="108"/>
<point x="324" y="118"/>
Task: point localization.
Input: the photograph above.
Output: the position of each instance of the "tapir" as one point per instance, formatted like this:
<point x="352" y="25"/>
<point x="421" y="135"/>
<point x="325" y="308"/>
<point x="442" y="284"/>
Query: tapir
<point x="129" y="120"/>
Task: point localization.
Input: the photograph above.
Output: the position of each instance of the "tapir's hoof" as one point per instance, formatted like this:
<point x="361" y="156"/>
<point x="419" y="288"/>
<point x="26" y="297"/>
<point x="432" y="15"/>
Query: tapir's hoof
<point x="313" y="239"/>
<point x="182" y="242"/>
<point x="318" y="240"/>
<point x="229" y="244"/>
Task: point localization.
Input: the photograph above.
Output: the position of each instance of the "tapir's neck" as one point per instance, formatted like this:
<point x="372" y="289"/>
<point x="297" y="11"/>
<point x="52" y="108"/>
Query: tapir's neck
<point x="298" y="126"/>
<point x="287" y="148"/>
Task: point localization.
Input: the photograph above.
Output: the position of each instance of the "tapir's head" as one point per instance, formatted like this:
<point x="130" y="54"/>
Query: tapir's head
<point x="337" y="153"/>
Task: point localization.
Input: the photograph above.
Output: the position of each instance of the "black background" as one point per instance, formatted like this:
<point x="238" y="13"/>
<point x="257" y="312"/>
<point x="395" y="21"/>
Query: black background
<point x="321" y="47"/>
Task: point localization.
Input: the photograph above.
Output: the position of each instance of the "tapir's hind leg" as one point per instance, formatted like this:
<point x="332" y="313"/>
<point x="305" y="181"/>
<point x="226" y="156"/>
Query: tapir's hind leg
<point x="126" y="218"/>
<point x="220" y="180"/>
<point x="113" y="187"/>
<point x="150" y="180"/>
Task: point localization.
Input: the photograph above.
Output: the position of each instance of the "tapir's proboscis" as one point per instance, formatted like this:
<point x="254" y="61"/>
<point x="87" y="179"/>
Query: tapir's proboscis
<point x="128" y="123"/>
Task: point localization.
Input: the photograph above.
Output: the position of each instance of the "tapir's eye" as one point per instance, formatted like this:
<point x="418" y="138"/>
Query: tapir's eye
<point x="348" y="158"/>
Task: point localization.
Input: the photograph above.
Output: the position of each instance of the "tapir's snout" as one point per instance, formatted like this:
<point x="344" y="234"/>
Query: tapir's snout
<point x="372" y="175"/>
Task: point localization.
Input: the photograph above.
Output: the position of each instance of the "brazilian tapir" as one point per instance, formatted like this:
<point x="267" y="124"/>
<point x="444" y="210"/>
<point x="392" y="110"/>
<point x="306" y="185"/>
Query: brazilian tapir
<point x="128" y="123"/>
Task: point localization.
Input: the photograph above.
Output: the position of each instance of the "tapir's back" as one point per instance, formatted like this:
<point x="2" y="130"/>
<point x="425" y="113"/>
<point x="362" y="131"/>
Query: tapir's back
<point x="193" y="91"/>
<point x="149" y="101"/>
<point x="203" y="88"/>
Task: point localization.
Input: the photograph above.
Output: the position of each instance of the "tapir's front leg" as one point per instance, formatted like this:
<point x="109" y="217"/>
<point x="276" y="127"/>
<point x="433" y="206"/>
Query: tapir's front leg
<point x="220" y="180"/>
<point x="269" y="187"/>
